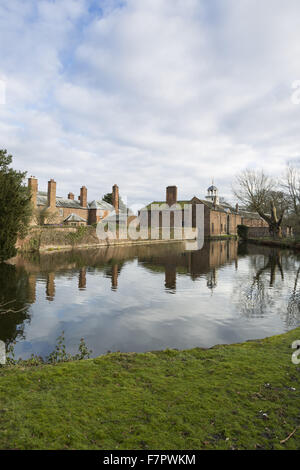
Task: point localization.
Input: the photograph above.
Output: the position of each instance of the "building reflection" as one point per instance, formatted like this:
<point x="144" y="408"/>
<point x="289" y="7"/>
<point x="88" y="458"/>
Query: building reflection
<point x="195" y="263"/>
<point x="50" y="287"/>
<point x="164" y="258"/>
<point x="170" y="277"/>
<point x="82" y="279"/>
<point x="212" y="279"/>
<point x="114" y="277"/>
<point x="22" y="282"/>
<point x="31" y="288"/>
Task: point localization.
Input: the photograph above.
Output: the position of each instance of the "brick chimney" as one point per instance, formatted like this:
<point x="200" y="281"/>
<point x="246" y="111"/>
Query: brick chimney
<point x="171" y="195"/>
<point x="83" y="196"/>
<point x="115" y="197"/>
<point x="71" y="196"/>
<point x="33" y="187"/>
<point x="52" y="194"/>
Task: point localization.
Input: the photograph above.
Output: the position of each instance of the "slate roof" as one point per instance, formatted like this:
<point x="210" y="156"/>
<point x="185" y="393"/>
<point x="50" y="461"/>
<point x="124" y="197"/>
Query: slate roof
<point x="74" y="218"/>
<point x="42" y="200"/>
<point x="249" y="215"/>
<point x="101" y="205"/>
<point x="218" y="208"/>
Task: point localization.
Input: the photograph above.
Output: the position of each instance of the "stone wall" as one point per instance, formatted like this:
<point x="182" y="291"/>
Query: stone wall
<point x="43" y="238"/>
<point x="258" y="232"/>
<point x="65" y="238"/>
<point x="261" y="232"/>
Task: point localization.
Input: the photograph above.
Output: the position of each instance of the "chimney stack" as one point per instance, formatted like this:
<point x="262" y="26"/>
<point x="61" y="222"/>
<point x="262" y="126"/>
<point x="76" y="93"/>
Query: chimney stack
<point x="33" y="187"/>
<point x="71" y="196"/>
<point x="83" y="196"/>
<point x="115" y="197"/>
<point x="237" y="207"/>
<point x="52" y="194"/>
<point x="171" y="195"/>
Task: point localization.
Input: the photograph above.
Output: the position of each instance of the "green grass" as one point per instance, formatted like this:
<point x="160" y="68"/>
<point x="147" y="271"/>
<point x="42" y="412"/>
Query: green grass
<point x="194" y="399"/>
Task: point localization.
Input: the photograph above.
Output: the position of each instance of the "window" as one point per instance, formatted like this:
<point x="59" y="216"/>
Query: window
<point x="221" y="227"/>
<point x="61" y="212"/>
<point x="212" y="228"/>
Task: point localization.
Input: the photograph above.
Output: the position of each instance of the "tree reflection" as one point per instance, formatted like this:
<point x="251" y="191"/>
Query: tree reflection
<point x="293" y="308"/>
<point x="256" y="298"/>
<point x="265" y="291"/>
<point x="15" y="291"/>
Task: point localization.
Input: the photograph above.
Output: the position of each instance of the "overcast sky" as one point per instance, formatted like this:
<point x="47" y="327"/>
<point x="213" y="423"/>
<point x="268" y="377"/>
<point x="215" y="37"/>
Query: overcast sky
<point x="149" y="93"/>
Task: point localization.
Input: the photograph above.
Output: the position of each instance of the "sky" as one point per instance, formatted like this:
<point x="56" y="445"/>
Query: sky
<point x="149" y="93"/>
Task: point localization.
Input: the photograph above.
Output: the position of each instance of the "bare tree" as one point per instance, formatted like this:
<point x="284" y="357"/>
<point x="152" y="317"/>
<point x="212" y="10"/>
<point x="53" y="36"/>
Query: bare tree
<point x="292" y="185"/>
<point x="257" y="191"/>
<point x="291" y="188"/>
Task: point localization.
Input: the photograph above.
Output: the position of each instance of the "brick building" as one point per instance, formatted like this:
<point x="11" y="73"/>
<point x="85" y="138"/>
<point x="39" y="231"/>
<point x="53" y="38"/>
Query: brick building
<point x="68" y="210"/>
<point x="219" y="219"/>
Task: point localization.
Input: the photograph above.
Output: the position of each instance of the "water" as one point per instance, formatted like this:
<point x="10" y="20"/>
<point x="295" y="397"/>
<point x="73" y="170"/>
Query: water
<point x="148" y="298"/>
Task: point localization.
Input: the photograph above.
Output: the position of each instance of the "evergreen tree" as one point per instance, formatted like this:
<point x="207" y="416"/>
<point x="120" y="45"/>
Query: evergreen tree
<point x="15" y="206"/>
<point x="109" y="199"/>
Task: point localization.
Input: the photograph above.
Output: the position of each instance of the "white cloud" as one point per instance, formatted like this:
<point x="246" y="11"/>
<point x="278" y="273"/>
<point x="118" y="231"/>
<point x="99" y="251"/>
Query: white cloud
<point x="151" y="93"/>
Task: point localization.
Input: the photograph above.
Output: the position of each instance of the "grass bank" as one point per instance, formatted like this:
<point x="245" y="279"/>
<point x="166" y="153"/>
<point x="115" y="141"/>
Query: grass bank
<point x="283" y="243"/>
<point x="241" y="396"/>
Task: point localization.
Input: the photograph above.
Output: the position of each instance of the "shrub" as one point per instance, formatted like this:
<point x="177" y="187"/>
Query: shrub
<point x="76" y="237"/>
<point x="242" y="231"/>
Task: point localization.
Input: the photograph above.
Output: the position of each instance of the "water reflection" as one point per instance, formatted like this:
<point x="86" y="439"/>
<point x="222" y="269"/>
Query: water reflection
<point x="16" y="295"/>
<point x="268" y="267"/>
<point x="225" y="292"/>
<point x="163" y="258"/>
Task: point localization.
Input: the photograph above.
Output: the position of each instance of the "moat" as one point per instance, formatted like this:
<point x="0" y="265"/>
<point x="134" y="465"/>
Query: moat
<point x="144" y="298"/>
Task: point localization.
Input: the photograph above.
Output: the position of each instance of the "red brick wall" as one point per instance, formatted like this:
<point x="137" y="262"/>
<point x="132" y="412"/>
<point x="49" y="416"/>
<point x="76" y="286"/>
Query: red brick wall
<point x="253" y="222"/>
<point x="63" y="212"/>
<point x="221" y="223"/>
